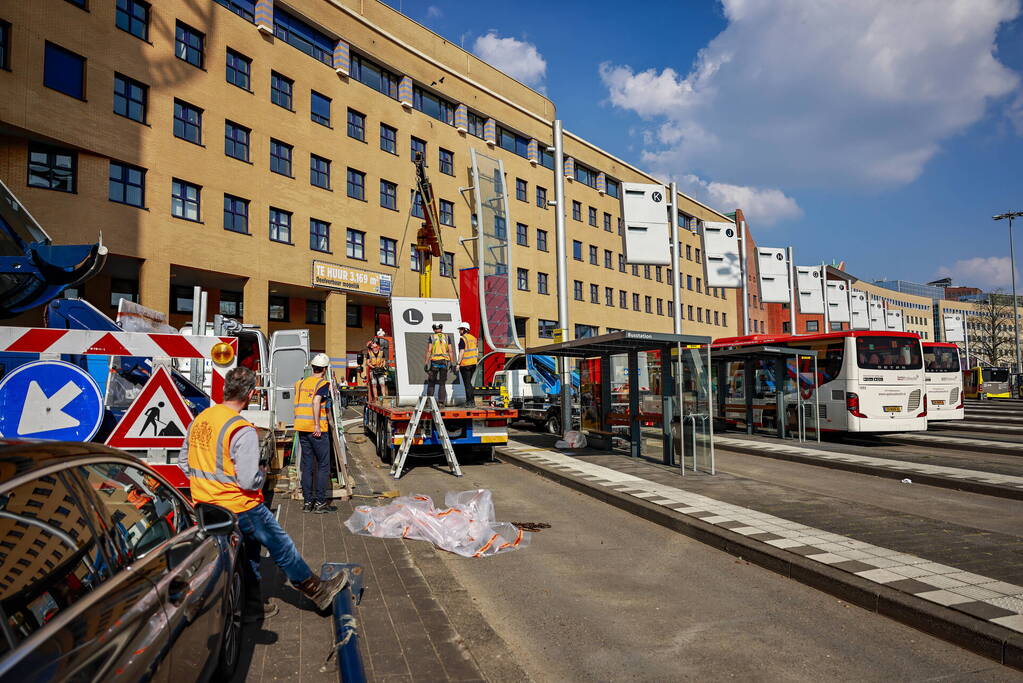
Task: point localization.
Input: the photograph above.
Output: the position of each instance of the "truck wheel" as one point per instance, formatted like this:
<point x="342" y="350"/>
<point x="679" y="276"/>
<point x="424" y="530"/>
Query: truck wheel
<point x="384" y="448"/>
<point x="553" y="424"/>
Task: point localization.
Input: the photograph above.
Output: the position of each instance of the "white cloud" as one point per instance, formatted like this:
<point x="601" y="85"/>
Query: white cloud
<point x="765" y="206"/>
<point x="822" y="94"/>
<point x="434" y="12"/>
<point x="517" y="58"/>
<point x="991" y="272"/>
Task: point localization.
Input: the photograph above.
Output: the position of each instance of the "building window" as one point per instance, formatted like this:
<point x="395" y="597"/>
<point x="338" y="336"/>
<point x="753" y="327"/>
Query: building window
<point x="236" y="141"/>
<point x="280" y="157"/>
<point x="133" y="17"/>
<point x="607" y="222"/>
<point x="127" y="184"/>
<point x="188" y="44"/>
<point x="646" y="272"/>
<point x="697" y="254"/>
<point x="355" y="244"/>
<point x="280" y="225"/>
<point x="621" y="263"/>
<point x="447" y="212"/>
<point x="541" y="240"/>
<point x="577" y="250"/>
<point x="64" y="71"/>
<point x="635" y="302"/>
<point x="522" y="278"/>
<point x="388" y="195"/>
<point x="613" y="189"/>
<point x="623" y="299"/>
<point x="388" y="138"/>
<point x="419" y="212"/>
<point x="594" y="294"/>
<point x="447" y="264"/>
<point x="542" y="283"/>
<point x="699" y="314"/>
<point x="353" y="315"/>
<point x="121" y="288"/>
<point x="278" y="308"/>
<point x="319" y="108"/>
<point x="5" y="45"/>
<point x="356" y="125"/>
<point x="187" y="122"/>
<point x="658" y="274"/>
<point x="577" y="210"/>
<point x="319" y="235"/>
<point x="545" y="328"/>
<point x="281" y="89"/>
<point x="584" y="331"/>
<point x="319" y="171"/>
<point x="635" y="270"/>
<point x="303" y="37"/>
<point x="417" y="146"/>
<point x="130" y="98"/>
<point x="513" y="142"/>
<point x="689" y="310"/>
<point x="593" y="255"/>
<point x="546" y="156"/>
<point x="231" y="303"/>
<point x="647" y="304"/>
<point x="577" y="290"/>
<point x="315" y="312"/>
<point x="434" y="106"/>
<point x="246" y="9"/>
<point x="415" y="261"/>
<point x="236" y="214"/>
<point x="368" y="73"/>
<point x="660" y="307"/>
<point x="447" y="162"/>
<point x="477" y="125"/>
<point x="185" y="200"/>
<point x="689" y="282"/>
<point x="609" y="296"/>
<point x="239" y="70"/>
<point x="608" y="260"/>
<point x="52" y="168"/>
<point x="388" y="251"/>
<point x="592" y="215"/>
<point x="521" y="187"/>
<point x="586" y="176"/>
<point x="836" y="327"/>
<point x="699" y="284"/>
<point x="812" y="326"/>
<point x="522" y="234"/>
<point x="541" y="197"/>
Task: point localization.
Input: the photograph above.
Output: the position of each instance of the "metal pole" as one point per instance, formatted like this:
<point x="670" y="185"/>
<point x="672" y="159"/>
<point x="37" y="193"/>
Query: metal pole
<point x="745" y="274"/>
<point x="966" y="331"/>
<point x="792" y="292"/>
<point x="562" y="255"/>
<point x="1015" y="303"/>
<point x="824" y="285"/>
<point x="676" y="314"/>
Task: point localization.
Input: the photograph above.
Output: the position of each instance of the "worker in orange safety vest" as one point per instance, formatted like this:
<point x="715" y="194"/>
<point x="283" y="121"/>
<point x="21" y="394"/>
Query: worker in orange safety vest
<point x="311" y="395"/>
<point x="468" y="358"/>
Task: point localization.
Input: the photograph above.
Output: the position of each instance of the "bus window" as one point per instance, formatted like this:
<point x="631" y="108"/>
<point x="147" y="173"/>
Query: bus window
<point x="996" y="374"/>
<point x="941" y="359"/>
<point x="888" y="353"/>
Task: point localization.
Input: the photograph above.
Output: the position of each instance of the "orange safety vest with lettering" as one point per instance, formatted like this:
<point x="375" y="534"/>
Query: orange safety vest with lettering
<point x="439" y="347"/>
<point x="376" y="359"/>
<point x="305" y="390"/>
<point x="210" y="468"/>
<point x="471" y="352"/>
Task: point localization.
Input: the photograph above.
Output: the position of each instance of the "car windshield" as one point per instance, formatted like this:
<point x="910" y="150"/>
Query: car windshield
<point x="888" y="353"/>
<point x="996" y="374"/>
<point x="941" y="359"/>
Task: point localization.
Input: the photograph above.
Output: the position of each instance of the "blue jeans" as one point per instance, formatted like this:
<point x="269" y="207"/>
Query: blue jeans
<point x="260" y="528"/>
<point x="315" y="466"/>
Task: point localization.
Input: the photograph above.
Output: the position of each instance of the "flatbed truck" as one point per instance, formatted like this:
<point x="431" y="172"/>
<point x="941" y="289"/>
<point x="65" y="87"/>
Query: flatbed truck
<point x="474" y="432"/>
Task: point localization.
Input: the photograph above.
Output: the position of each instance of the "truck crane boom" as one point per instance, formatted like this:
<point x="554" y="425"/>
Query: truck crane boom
<point x="428" y="238"/>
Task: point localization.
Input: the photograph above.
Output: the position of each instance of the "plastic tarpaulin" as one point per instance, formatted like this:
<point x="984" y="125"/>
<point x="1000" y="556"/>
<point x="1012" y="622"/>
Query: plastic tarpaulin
<point x="467" y="527"/>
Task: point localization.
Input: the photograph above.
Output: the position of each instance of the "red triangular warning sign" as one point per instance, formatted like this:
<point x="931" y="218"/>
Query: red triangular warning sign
<point x="157" y="418"/>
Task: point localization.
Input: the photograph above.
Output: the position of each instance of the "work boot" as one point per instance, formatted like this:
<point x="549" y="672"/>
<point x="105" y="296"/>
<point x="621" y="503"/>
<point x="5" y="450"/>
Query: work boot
<point x="322" y="592"/>
<point x="323" y="507"/>
<point x="262" y="612"/>
<point x="308" y="506"/>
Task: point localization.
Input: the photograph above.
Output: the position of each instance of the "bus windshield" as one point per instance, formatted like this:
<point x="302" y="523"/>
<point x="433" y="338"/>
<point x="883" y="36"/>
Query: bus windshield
<point x="996" y="374"/>
<point x="941" y="359"/>
<point x="888" y="353"/>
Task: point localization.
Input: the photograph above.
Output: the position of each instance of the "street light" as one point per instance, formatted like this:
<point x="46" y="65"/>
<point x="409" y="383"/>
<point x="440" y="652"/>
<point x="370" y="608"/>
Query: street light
<point x="1012" y="265"/>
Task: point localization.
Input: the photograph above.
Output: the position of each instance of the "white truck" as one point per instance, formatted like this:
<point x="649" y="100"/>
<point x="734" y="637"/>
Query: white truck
<point x="533" y="389"/>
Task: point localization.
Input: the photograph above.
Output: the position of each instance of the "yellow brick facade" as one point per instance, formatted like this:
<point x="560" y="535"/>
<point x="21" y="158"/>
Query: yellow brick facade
<point x="155" y="252"/>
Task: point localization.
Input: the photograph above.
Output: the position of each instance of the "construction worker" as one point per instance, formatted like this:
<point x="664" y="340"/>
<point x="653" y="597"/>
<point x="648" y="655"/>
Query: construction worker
<point x="439" y="359"/>
<point x="311" y="394"/>
<point x="376" y="370"/>
<point x="468" y="357"/>
<point x="221" y="457"/>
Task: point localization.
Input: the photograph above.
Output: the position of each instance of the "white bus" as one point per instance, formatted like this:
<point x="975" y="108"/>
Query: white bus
<point x="866" y="382"/>
<point x="944" y="381"/>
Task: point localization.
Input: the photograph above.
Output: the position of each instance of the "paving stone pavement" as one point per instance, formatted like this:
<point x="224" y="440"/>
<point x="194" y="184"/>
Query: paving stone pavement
<point x="978" y="573"/>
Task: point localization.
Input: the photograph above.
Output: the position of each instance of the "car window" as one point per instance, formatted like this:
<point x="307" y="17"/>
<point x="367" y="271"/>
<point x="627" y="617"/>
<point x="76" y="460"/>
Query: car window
<point x="142" y="512"/>
<point x="49" y="557"/>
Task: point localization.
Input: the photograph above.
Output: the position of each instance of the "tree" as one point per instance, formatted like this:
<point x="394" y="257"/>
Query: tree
<point x="993" y="338"/>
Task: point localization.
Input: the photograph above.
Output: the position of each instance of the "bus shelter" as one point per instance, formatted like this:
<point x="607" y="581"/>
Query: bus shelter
<point x="646" y="394"/>
<point x="767" y="390"/>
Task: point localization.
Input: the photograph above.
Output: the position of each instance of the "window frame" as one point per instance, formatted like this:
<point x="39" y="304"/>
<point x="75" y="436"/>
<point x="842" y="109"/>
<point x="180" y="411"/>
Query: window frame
<point x="52" y="71"/>
<point x="129" y="83"/>
<point x="231" y="131"/>
<point x="126" y="11"/>
<point x="182" y="112"/>
<point x="235" y="201"/>
<point x="446" y="161"/>
<point x="389" y="192"/>
<point x="141" y="185"/>
<point x="446" y="212"/>
<point x="316" y="173"/>
<point x="392" y="146"/>
<point x="356" y="125"/>
<point x="280" y="221"/>
<point x="282" y="91"/>
<point x="360" y="186"/>
<point x="52" y="153"/>
<point x="181" y="27"/>
<point x="231" y="60"/>
<point x="279" y="160"/>
<point x="316" y="235"/>
<point x="388" y="252"/>
<point x="185" y="201"/>
<point x="355" y="244"/>
<point x="316" y="117"/>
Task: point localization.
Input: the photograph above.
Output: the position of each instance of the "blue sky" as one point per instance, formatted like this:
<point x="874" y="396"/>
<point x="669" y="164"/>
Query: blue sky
<point x="882" y="133"/>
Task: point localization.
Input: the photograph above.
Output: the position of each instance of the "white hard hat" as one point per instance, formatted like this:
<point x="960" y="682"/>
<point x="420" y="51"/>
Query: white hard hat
<point x="380" y="332"/>
<point x="464" y="326"/>
<point x="320" y="360"/>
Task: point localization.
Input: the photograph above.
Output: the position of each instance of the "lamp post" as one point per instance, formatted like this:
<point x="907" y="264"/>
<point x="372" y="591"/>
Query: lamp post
<point x="1012" y="266"/>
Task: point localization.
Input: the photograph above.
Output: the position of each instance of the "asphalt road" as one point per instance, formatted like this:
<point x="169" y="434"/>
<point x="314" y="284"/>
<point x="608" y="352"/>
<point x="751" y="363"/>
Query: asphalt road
<point x="604" y="595"/>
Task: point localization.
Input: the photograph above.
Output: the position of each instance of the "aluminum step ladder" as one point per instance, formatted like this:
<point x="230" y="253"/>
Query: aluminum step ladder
<point x="422" y="405"/>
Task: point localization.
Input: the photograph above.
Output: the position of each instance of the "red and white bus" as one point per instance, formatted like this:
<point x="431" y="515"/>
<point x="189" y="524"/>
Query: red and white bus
<point x="944" y="380"/>
<point x="867" y="381"/>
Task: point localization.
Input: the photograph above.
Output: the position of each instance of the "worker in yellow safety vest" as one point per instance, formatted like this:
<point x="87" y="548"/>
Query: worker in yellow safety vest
<point x="439" y="359"/>
<point x="376" y="370"/>
<point x="468" y="358"/>
<point x="221" y="454"/>
<point x="311" y="394"/>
